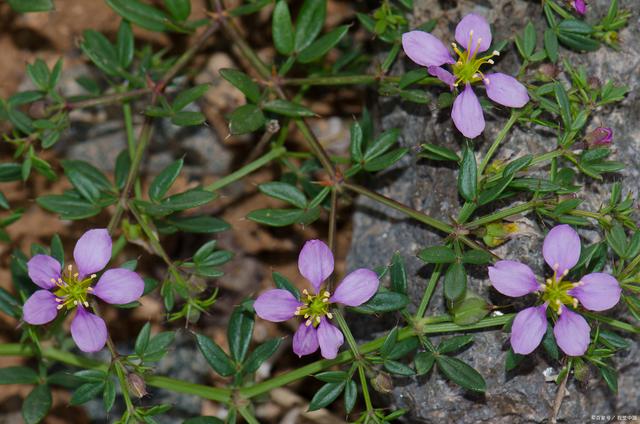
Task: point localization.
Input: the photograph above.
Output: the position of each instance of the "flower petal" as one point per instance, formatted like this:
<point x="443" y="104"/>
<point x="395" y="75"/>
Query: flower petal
<point x="43" y="268"/>
<point x="276" y="305"/>
<point x="528" y="329"/>
<point x="92" y="251"/>
<point x="476" y="27"/>
<point x="467" y="113"/>
<point x="597" y="291"/>
<point x="40" y="308"/>
<point x="305" y="340"/>
<point x="580" y="6"/>
<point x="506" y="90"/>
<point x="572" y="333"/>
<point x="329" y="338"/>
<point x="425" y="49"/>
<point x="119" y="286"/>
<point x="443" y="75"/>
<point x="88" y="331"/>
<point x="512" y="278"/>
<point x="561" y="249"/>
<point x="356" y="288"/>
<point x="315" y="262"/>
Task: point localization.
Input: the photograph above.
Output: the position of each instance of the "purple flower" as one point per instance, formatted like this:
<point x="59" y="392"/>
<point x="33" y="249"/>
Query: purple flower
<point x="601" y="136"/>
<point x="474" y="35"/>
<point x="580" y="6"/>
<point x="71" y="289"/>
<point x="597" y="291"/>
<point x="316" y="265"/>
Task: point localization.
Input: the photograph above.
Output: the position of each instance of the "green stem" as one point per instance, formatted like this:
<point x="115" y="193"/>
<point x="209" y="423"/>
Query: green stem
<point x="108" y="99"/>
<point x="504" y="213"/>
<point x="247" y="169"/>
<point x="344" y="327"/>
<point x="365" y="389"/>
<point x="317" y="148"/>
<point x="418" y="216"/>
<point x="124" y="387"/>
<point x="352" y="80"/>
<point x="431" y="286"/>
<point x="496" y="143"/>
<point x="248" y="415"/>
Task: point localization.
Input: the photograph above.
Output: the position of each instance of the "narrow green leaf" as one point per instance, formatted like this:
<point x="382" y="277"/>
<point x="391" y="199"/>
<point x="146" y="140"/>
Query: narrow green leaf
<point x="25" y="6"/>
<point x="398" y="274"/>
<point x="453" y="344"/>
<point x="189" y="96"/>
<point x="179" y="9"/>
<point x="327" y="394"/>
<point x="551" y="44"/>
<point x="309" y="22"/>
<point x="468" y="176"/>
<point x="461" y="373"/>
<point x="287" y="108"/>
<point x="142" y="341"/>
<point x="285" y="192"/>
<point x="239" y="332"/>
<point x="141" y="14"/>
<point x="283" y="283"/>
<point x="260" y="354"/>
<point x="215" y="356"/>
<point x="246" y="119"/>
<point x="242" y="82"/>
<point x="86" y="392"/>
<point x="322" y="45"/>
<point x="455" y="282"/>
<point x="282" y="29"/>
<point x="383" y="301"/>
<point x="437" y="255"/>
<point x="424" y="362"/>
<point x="125" y="44"/>
<point x="37" y="404"/>
<point x="350" y="396"/>
<point x="18" y="375"/>
<point x="476" y="257"/>
<point x="529" y="39"/>
<point x="163" y="181"/>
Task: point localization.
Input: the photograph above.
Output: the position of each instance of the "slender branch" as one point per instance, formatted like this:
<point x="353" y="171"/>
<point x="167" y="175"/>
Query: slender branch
<point x="352" y="80"/>
<point x="496" y="143"/>
<point x="431" y="286"/>
<point x="108" y="99"/>
<point x="247" y="169"/>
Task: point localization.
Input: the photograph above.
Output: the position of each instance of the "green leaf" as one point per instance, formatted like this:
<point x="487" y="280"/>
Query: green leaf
<point x="203" y="419"/>
<point x="246" y="119"/>
<point x="163" y="181"/>
<point x="86" y="392"/>
<point x="261" y="354"/>
<point x="610" y="376"/>
<point x="101" y="52"/>
<point x="403" y="348"/>
<point x="512" y="360"/>
<point x="437" y="255"/>
<point x="18" y="375"/>
<point x="350" y="396"/>
<point x="424" y="362"/>
<point x="469" y="311"/>
<point x="529" y="39"/>
<point x="468" y="176"/>
<point x="551" y="44"/>
<point x="563" y="102"/>
<point x="461" y="373"/>
<point x="389" y="342"/>
<point x="108" y="395"/>
<point x="455" y="282"/>
<point x="37" y="404"/>
<point x="239" y="333"/>
<point x="412" y="77"/>
<point x="576" y="26"/>
<point x="125" y="44"/>
<point x="10" y="172"/>
<point x="476" y="257"/>
<point x="309" y="22"/>
<point x="454" y="343"/>
<point x="617" y="239"/>
<point x="141" y="14"/>
<point x="398" y="274"/>
<point x="549" y="344"/>
<point x="355" y="147"/>
<point x="142" y="341"/>
<point x="285" y="192"/>
<point x="282" y="29"/>
<point x="158" y="345"/>
<point x="198" y="224"/>
<point x="25" y="6"/>
<point x="386" y="160"/>
<point x="179" y="9"/>
<point x="433" y="152"/>
<point x="276" y="217"/>
<point x="327" y="393"/>
<point x="68" y="206"/>
<point x="283" y="283"/>
<point x="123" y="165"/>
<point x="332" y="376"/>
<point x="187" y="118"/>
<point x="381" y="144"/>
<point x="242" y="82"/>
<point x="215" y="356"/>
<point x="189" y="96"/>
<point x="188" y="199"/>
<point x="249" y="9"/>
<point x="322" y="45"/>
<point x="287" y="108"/>
<point x="398" y="368"/>
<point x="383" y="301"/>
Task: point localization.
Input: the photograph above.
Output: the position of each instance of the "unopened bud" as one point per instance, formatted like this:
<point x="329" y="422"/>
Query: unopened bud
<point x="498" y="233"/>
<point x="601" y="136"/>
<point x="38" y="109"/>
<point x="136" y="385"/>
<point x="594" y="83"/>
<point x="382" y="382"/>
<point x="581" y="371"/>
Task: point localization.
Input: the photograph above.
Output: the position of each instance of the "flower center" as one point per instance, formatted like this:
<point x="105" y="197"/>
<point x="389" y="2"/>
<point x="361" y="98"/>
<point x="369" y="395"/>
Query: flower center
<point x="72" y="291"/>
<point x="467" y="67"/>
<point x="556" y="293"/>
<point x="315" y="307"/>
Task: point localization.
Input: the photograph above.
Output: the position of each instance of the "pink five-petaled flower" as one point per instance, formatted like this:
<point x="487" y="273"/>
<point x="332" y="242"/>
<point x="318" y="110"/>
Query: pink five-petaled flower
<point x="316" y="265"/>
<point x="472" y="33"/>
<point x="580" y="6"/>
<point x="596" y="292"/>
<point x="70" y="289"/>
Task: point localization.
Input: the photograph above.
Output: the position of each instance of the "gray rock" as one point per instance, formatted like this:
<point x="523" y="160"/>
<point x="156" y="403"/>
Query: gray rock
<point x="521" y="396"/>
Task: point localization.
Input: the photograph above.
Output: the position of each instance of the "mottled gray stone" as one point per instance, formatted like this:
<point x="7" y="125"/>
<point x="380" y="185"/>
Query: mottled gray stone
<point x="521" y="396"/>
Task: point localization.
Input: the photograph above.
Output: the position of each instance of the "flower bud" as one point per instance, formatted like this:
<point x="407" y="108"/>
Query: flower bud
<point x="594" y="83"/>
<point x="498" y="233"/>
<point x="382" y="382"/>
<point x="581" y="371"/>
<point x="136" y="385"/>
<point x="601" y="136"/>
